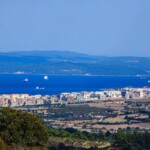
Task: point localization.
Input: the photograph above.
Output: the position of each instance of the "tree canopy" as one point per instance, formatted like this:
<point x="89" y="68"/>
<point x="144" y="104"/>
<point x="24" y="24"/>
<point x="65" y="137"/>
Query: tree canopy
<point x="22" y="128"/>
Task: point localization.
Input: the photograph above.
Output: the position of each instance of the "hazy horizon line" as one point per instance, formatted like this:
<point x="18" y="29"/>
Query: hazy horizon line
<point x="70" y="51"/>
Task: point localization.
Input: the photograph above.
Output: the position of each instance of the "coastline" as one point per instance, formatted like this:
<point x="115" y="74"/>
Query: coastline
<point x="115" y="75"/>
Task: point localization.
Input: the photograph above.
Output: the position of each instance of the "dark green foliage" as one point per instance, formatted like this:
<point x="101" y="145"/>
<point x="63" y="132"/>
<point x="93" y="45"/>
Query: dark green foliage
<point x="132" y="140"/>
<point x="71" y="130"/>
<point x="22" y="128"/>
<point x="65" y="134"/>
<point x="79" y="135"/>
<point x="102" y="136"/>
<point x="91" y="136"/>
<point x="25" y="129"/>
<point x="75" y="134"/>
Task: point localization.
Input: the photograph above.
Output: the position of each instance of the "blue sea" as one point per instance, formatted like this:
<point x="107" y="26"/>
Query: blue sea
<point x="14" y="83"/>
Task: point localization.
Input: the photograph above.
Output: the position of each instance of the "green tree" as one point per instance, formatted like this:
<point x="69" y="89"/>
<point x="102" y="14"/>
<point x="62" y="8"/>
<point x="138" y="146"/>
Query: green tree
<point x="22" y="128"/>
<point x="102" y="136"/>
<point x="91" y="136"/>
<point x="79" y="135"/>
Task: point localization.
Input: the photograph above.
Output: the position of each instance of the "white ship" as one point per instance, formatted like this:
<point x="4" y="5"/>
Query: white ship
<point x="45" y="77"/>
<point x="148" y="81"/>
<point x="26" y="80"/>
<point x="39" y="88"/>
<point x="138" y="75"/>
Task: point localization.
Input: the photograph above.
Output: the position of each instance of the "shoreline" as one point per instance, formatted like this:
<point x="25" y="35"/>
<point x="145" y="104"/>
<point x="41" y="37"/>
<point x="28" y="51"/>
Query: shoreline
<point x="41" y="74"/>
<point x="100" y="90"/>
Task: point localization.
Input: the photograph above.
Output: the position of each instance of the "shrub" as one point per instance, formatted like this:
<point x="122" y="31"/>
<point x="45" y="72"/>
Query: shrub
<point x="22" y="128"/>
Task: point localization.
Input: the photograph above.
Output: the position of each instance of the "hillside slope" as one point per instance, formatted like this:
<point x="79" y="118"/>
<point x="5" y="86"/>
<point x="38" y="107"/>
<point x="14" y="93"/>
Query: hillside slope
<point x="71" y="63"/>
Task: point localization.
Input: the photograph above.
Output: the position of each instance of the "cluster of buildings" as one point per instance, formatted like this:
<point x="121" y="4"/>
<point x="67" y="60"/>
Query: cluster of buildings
<point x="13" y="100"/>
<point x="136" y="93"/>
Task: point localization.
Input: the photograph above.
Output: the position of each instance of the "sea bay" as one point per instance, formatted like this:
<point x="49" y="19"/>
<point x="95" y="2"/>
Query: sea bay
<point x="55" y="84"/>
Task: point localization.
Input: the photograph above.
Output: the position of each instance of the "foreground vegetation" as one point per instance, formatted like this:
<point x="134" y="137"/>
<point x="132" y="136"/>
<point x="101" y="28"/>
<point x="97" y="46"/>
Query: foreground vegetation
<point x="24" y="131"/>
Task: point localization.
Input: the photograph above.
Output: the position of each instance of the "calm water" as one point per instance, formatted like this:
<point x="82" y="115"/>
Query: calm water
<point x="57" y="84"/>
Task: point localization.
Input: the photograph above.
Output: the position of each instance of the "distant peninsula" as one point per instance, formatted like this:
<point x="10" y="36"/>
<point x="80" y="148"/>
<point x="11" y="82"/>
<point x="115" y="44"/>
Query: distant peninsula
<point x="71" y="63"/>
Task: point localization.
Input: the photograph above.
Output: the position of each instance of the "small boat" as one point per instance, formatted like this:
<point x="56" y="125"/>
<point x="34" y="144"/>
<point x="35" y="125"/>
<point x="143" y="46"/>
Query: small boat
<point x="26" y="80"/>
<point x="138" y="75"/>
<point x="148" y="81"/>
<point x="39" y="88"/>
<point x="45" y="77"/>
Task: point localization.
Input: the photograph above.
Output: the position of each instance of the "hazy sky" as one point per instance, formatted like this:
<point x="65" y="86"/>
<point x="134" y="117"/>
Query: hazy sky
<point x="103" y="27"/>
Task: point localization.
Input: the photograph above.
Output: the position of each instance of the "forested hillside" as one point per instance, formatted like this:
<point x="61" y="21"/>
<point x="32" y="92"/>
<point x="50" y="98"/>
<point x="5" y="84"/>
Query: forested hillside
<point x="24" y="131"/>
<point x="71" y="63"/>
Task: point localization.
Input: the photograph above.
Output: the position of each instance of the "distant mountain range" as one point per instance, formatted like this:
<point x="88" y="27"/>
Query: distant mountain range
<point x="71" y="63"/>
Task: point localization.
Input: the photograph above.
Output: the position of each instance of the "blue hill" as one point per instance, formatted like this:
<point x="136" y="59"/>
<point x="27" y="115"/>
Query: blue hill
<point x="71" y="63"/>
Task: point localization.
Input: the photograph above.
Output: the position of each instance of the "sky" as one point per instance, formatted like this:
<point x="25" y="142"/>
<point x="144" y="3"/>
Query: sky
<point x="96" y="27"/>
